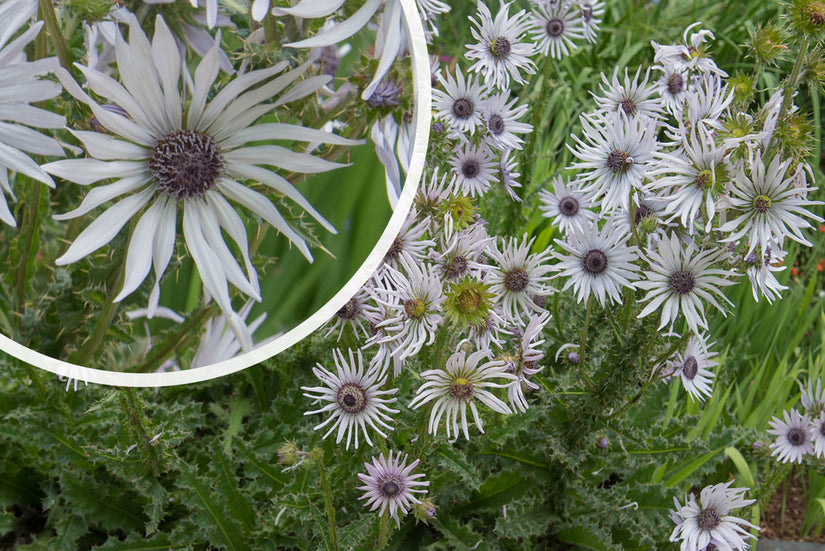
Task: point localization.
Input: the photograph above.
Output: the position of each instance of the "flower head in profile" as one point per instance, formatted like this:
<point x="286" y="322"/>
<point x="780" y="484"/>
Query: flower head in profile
<point x="793" y="437"/>
<point x="709" y="520"/>
<point x="500" y="51"/>
<point x="457" y="386"/>
<point x="354" y="397"/>
<point x="813" y="397"/>
<point x="525" y="362"/>
<point x="20" y="86"/>
<point x="680" y="279"/>
<point x="692" y="366"/>
<point x="171" y="152"/>
<point x="390" y="485"/>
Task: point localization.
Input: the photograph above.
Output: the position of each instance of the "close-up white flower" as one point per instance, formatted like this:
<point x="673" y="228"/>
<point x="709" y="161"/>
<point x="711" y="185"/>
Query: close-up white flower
<point x="770" y="208"/>
<point x="709" y="520"/>
<point x="597" y="263"/>
<point x="459" y="104"/>
<point x="172" y="152"/>
<point x="793" y="437"/>
<point x="355" y="399"/>
<point x="555" y="25"/>
<point x="681" y="278"/>
<point x="457" y="386"/>
<point x="473" y="169"/>
<point x="501" y="119"/>
<point x="390" y="485"/>
<point x="615" y="155"/>
<point x="21" y="86"/>
<point x="518" y="276"/>
<point x="567" y="205"/>
<point x="501" y="52"/>
<point x="634" y="98"/>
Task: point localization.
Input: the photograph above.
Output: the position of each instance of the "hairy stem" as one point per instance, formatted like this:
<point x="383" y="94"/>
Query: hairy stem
<point x="790" y="86"/>
<point x="53" y="28"/>
<point x="328" y="505"/>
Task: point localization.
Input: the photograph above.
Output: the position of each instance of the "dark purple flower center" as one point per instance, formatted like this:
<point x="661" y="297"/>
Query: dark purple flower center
<point x="618" y="161"/>
<point x="569" y="206"/>
<point x="463" y="108"/>
<point x="351" y="398"/>
<point x="682" y="282"/>
<point x="186" y="164"/>
<point x="516" y="280"/>
<point x="595" y="261"/>
<point x="554" y="27"/>
<point x="708" y="519"/>
<point x="797" y="436"/>
<point x="675" y="84"/>
<point x="691" y="367"/>
<point x="495" y="125"/>
<point x="500" y="47"/>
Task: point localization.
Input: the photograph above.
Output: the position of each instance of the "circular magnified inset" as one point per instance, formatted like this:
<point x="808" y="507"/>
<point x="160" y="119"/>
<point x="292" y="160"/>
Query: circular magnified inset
<point x="224" y="183"/>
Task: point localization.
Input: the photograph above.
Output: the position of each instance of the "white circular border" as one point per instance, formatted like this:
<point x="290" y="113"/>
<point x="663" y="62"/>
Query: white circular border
<point x="423" y="118"/>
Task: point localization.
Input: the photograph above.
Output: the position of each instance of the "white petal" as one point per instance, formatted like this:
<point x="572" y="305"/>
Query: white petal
<point x="261" y="206"/>
<point x="283" y="131"/>
<point x="20" y="162"/>
<point x="280" y="184"/>
<point x="164" y="49"/>
<point x="139" y="255"/>
<point x="105" y="227"/>
<point x="163" y="245"/>
<point x="101" y="194"/>
<point x="276" y="155"/>
<point x="106" y="148"/>
<point x="205" y="75"/>
<point x="209" y="265"/>
<point x="310" y="9"/>
<point x="31" y="116"/>
<point x="342" y="30"/>
<point x="89" y="171"/>
<point x="259" y="9"/>
<point x="31" y="141"/>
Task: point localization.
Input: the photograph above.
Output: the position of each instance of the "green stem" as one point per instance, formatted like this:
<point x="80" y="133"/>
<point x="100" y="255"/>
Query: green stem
<point x="137" y="421"/>
<point x="768" y="488"/>
<point x="787" y="99"/>
<point x="53" y="28"/>
<point x="328" y="505"/>
<point x="529" y="152"/>
<point x="272" y="38"/>
<point x="383" y="531"/>
<point x="583" y="347"/>
<point x="28" y="229"/>
<point x="104" y="321"/>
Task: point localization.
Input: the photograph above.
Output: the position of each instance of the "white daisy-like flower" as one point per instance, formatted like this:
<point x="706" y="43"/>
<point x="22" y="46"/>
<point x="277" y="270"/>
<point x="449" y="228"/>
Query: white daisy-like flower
<point x="410" y="242"/>
<point x="818" y="434"/>
<point x="591" y="17"/>
<point x="672" y="87"/>
<point x="414" y="299"/>
<point x="166" y="158"/>
<point x="500" y="52"/>
<point x="353" y="315"/>
<point x="501" y="121"/>
<point x="709" y="520"/>
<point x="599" y="262"/>
<point x="567" y="205"/>
<point x="761" y="270"/>
<point x="690" y="56"/>
<point x="355" y="398"/>
<point x="707" y="101"/>
<point x="460" y="252"/>
<point x="793" y="437"/>
<point x="634" y="98"/>
<point x="473" y="169"/>
<point x="525" y="362"/>
<point x="680" y="279"/>
<point x="555" y="25"/>
<point x="460" y="103"/>
<point x="813" y="397"/>
<point x="691" y="177"/>
<point x="390" y="485"/>
<point x="772" y="208"/>
<point x="457" y="386"/>
<point x="517" y="276"/>
<point x="616" y="157"/>
<point x="20" y="86"/>
<point x="692" y="367"/>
